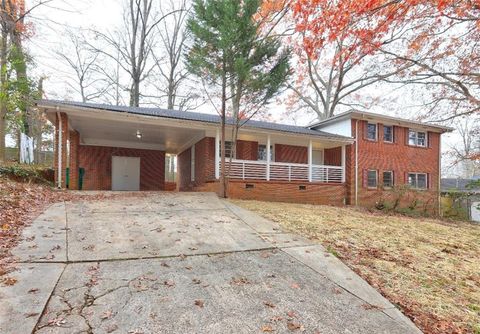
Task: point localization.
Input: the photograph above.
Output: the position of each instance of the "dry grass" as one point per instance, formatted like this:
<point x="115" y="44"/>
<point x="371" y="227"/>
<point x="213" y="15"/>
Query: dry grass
<point x="429" y="268"/>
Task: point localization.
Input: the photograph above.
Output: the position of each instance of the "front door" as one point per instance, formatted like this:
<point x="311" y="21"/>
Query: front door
<point x="125" y="173"/>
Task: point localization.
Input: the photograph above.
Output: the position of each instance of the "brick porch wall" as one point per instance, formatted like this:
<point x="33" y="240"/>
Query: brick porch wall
<point x="184" y="170"/>
<point x="333" y="156"/>
<point x="314" y="193"/>
<point x="247" y="150"/>
<point x="97" y="161"/>
<point x="291" y="153"/>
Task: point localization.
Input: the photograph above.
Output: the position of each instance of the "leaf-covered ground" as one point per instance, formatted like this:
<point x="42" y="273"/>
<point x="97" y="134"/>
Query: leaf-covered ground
<point x="20" y="203"/>
<point x="429" y="268"/>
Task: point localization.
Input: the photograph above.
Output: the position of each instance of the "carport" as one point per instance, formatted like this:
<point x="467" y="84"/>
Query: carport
<point x="115" y="150"/>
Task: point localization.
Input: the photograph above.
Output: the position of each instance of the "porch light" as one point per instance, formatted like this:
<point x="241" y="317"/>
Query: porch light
<point x="139" y="134"/>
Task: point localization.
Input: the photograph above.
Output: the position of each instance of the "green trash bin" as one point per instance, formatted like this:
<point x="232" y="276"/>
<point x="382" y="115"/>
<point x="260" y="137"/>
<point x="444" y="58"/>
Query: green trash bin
<point x="81" y="173"/>
<point x="67" y="177"/>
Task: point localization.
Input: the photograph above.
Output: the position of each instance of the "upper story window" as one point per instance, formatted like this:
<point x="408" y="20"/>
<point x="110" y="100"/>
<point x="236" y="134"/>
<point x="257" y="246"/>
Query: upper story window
<point x="417" y="138"/>
<point x="417" y="180"/>
<point x="372" y="131"/>
<point x="262" y="153"/>
<point x="388" y="133"/>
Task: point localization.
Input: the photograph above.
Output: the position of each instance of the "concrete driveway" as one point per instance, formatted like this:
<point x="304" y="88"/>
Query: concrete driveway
<point x="181" y="263"/>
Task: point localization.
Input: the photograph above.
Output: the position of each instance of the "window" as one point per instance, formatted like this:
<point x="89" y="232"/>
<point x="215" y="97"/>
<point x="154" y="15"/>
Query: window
<point x="388" y="133"/>
<point x="417" y="180"/>
<point x="371" y="178"/>
<point x="371" y="131"/>
<point x="417" y="138"/>
<point x="228" y="149"/>
<point x="262" y="153"/>
<point x="388" y="179"/>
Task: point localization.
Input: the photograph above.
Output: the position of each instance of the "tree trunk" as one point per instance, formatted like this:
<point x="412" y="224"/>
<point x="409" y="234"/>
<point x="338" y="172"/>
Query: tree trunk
<point x="223" y="179"/>
<point x="3" y="93"/>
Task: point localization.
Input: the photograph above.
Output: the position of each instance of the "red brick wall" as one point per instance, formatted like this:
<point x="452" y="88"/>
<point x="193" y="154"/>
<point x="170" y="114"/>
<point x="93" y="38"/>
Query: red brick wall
<point x="333" y="156"/>
<point x="398" y="157"/>
<point x="74" y="145"/>
<point x="247" y="150"/>
<point x="290" y="153"/>
<point x="184" y="170"/>
<point x="97" y="161"/>
<point x="205" y="160"/>
<point x="314" y="193"/>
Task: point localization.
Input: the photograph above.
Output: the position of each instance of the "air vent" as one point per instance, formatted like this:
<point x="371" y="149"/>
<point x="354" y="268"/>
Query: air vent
<point x="249" y="186"/>
<point x="302" y="187"/>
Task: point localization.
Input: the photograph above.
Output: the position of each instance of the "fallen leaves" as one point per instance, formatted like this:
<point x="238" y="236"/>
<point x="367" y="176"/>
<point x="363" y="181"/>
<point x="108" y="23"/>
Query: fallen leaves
<point x="293" y="326"/>
<point x="20" y="203"/>
<point x="269" y="304"/>
<point x="169" y="283"/>
<point x="267" y="328"/>
<point x="9" y="281"/>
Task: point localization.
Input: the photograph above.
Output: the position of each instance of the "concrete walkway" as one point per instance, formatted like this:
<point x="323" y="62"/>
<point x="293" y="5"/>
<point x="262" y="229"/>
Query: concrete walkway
<point x="181" y="263"/>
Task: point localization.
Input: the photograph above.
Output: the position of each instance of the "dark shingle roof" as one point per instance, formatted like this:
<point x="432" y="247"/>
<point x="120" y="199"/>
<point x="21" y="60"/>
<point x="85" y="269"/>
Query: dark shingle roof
<point x="192" y="116"/>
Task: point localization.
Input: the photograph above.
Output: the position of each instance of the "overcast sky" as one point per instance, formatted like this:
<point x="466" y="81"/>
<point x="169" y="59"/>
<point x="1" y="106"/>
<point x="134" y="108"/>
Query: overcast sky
<point x="50" y="23"/>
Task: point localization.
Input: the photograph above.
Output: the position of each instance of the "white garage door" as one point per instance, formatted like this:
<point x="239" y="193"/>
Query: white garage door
<point x="476" y="211"/>
<point x="125" y="173"/>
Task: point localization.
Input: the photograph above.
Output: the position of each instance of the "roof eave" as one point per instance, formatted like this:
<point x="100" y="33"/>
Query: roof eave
<point x="58" y="106"/>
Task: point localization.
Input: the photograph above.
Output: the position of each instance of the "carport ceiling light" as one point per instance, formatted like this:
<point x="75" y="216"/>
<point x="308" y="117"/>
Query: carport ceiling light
<point x="139" y="134"/>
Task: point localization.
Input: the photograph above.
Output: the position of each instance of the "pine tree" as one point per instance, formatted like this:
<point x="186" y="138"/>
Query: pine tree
<point x="230" y="53"/>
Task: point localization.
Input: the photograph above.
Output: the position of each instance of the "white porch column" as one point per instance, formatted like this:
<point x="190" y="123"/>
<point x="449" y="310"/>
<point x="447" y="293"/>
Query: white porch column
<point x="310" y="159"/>
<point x="268" y="158"/>
<point x="217" y="154"/>
<point x="343" y="163"/>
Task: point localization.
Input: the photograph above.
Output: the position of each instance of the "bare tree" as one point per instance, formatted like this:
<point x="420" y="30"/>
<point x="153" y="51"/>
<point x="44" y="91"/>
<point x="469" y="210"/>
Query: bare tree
<point x="333" y="78"/>
<point x="466" y="151"/>
<point x="168" y="60"/>
<point x="87" y="66"/>
<point x="131" y="46"/>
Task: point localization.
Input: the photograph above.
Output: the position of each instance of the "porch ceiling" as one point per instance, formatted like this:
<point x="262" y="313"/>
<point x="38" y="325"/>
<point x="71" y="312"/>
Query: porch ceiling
<point x="108" y="132"/>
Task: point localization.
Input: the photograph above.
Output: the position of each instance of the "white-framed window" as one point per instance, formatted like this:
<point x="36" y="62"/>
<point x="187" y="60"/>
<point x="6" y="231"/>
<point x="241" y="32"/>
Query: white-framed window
<point x="192" y="164"/>
<point x="418" y="180"/>
<point x="371" y="131"/>
<point x="417" y="138"/>
<point x="228" y="149"/>
<point x="388" y="133"/>
<point x="372" y="178"/>
<point x="388" y="179"/>
<point x="262" y="153"/>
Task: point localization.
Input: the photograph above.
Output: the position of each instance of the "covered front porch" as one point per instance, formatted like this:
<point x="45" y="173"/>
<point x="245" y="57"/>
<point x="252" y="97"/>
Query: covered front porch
<point x="284" y="158"/>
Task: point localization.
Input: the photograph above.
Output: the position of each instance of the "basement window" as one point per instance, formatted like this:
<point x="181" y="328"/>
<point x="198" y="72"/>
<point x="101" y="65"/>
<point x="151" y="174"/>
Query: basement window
<point x="249" y="186"/>
<point x="302" y="187"/>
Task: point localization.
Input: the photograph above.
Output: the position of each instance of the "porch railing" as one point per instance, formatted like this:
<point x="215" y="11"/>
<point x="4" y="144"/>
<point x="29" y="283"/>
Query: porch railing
<point x="279" y="171"/>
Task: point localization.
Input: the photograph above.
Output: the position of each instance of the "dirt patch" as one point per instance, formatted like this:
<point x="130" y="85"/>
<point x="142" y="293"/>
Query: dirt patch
<point x="429" y="268"/>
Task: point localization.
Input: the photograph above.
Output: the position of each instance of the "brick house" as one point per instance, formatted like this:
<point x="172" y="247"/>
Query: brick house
<point x="355" y="158"/>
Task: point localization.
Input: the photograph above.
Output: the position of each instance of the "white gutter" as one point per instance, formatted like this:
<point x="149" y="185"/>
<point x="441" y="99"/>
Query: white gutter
<point x="439" y="174"/>
<point x="59" y="149"/>
<point x="356" y="162"/>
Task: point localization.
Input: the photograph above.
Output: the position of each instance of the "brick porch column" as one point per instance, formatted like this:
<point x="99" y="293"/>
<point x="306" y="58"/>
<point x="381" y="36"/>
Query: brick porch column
<point x="60" y="149"/>
<point x="74" y="143"/>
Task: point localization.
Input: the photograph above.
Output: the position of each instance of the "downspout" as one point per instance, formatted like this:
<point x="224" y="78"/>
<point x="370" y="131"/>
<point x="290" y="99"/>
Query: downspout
<point x="356" y="162"/>
<point x="439" y="196"/>
<point x="59" y="146"/>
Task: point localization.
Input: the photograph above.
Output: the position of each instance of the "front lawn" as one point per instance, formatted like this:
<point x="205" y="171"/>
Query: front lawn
<point x="429" y="268"/>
